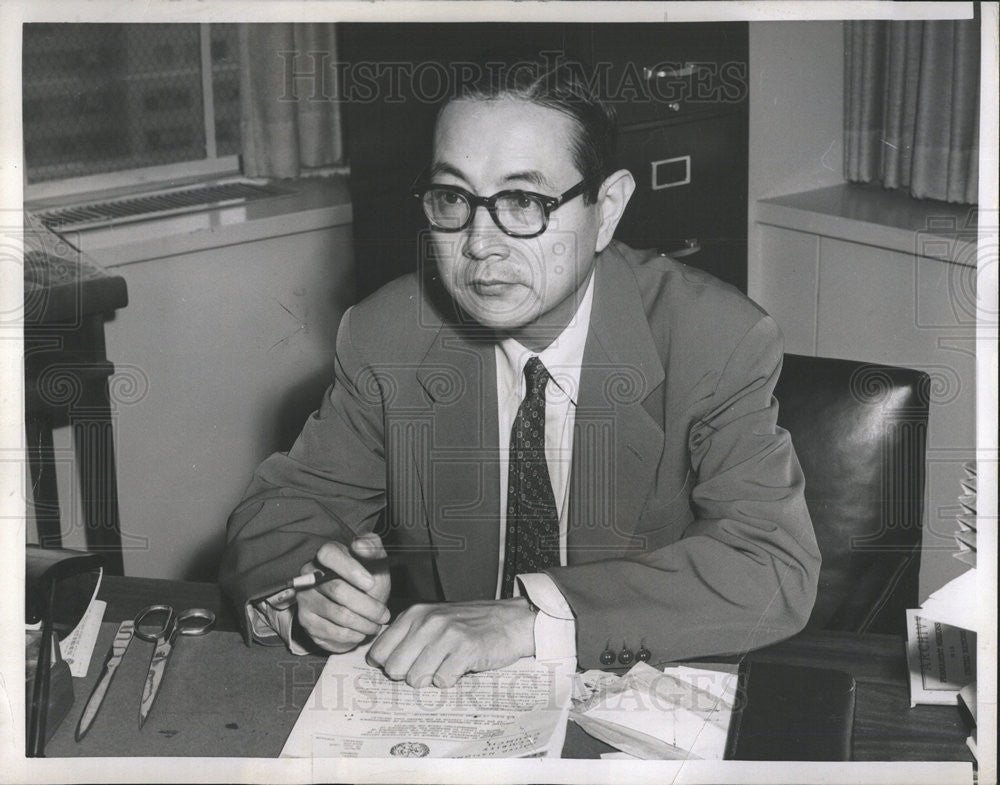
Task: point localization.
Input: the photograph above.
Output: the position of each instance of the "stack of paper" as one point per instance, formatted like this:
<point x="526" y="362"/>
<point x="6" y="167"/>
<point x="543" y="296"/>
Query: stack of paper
<point x="941" y="634"/>
<point x="966" y="534"/>
<point x="967" y="698"/>
<point x="679" y="713"/>
<point x="355" y="711"/>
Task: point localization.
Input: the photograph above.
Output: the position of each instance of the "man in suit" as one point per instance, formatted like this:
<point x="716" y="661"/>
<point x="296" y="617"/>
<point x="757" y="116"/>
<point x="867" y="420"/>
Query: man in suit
<point x="545" y="444"/>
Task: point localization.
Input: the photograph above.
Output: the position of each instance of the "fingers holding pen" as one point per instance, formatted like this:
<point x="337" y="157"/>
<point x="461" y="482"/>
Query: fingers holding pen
<point x="352" y="607"/>
<point x="336" y="559"/>
<point x="368" y="546"/>
<point x="369" y="550"/>
<point x="349" y="603"/>
<point x="355" y="588"/>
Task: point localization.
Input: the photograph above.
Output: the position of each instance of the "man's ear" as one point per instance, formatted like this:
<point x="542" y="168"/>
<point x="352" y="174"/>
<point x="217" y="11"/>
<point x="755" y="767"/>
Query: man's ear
<point x="612" y="198"/>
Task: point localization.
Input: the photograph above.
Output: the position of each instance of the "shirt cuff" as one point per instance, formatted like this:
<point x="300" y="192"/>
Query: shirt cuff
<point x="268" y="623"/>
<point x="555" y="625"/>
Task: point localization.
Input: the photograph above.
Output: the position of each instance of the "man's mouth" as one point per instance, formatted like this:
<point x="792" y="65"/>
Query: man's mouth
<point x="492" y="284"/>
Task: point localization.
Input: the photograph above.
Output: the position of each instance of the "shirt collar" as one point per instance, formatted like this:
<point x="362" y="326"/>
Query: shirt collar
<point x="563" y="358"/>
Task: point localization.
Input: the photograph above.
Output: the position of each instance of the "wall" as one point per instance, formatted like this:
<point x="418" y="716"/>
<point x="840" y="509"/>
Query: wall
<point x="796" y="100"/>
<point x="232" y="376"/>
<point x="229" y="349"/>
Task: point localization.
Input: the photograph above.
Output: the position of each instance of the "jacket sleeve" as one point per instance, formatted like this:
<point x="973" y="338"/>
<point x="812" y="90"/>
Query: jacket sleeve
<point x="745" y="570"/>
<point x="329" y="486"/>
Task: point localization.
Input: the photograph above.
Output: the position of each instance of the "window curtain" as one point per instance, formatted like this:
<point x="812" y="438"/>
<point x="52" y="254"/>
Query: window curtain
<point x="911" y="108"/>
<point x="289" y="118"/>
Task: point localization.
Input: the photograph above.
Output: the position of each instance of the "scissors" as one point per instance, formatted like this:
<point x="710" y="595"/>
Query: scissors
<point x="115" y="655"/>
<point x="192" y="621"/>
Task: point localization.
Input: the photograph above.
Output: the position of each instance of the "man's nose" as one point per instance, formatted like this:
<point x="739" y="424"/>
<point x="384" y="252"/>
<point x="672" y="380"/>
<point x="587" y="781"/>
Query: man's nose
<point x="482" y="237"/>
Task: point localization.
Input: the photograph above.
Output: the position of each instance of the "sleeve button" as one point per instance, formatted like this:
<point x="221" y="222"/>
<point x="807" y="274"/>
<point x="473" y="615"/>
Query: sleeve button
<point x="625" y="656"/>
<point x="607" y="657"/>
<point x="644" y="655"/>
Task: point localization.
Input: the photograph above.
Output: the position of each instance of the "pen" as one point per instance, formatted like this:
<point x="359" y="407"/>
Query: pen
<point x="319" y="575"/>
<point x="309" y="580"/>
<point x="286" y="596"/>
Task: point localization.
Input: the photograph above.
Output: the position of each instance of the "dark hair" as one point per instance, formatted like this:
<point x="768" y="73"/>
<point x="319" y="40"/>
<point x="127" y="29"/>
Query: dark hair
<point x="551" y="80"/>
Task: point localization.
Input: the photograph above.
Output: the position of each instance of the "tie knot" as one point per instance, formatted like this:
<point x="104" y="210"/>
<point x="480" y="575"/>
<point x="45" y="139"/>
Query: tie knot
<point x="536" y="377"/>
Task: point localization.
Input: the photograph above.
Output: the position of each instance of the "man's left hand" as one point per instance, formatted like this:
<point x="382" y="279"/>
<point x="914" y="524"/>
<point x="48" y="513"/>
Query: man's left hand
<point x="437" y="644"/>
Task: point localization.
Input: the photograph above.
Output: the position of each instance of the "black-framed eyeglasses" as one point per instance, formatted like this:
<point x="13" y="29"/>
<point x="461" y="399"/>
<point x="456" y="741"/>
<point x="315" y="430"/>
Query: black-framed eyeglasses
<point x="517" y="213"/>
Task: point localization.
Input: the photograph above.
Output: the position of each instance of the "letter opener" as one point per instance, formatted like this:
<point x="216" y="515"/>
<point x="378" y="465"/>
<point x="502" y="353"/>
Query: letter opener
<point x="115" y="654"/>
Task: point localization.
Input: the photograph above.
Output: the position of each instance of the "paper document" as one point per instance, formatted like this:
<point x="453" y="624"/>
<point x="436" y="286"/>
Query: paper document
<point x="355" y="711"/>
<point x="78" y="647"/>
<point x="679" y="713"/>
<point x="942" y="659"/>
<point x="956" y="603"/>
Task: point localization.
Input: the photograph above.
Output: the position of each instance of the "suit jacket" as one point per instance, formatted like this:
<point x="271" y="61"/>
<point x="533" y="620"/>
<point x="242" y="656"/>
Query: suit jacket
<point x="688" y="532"/>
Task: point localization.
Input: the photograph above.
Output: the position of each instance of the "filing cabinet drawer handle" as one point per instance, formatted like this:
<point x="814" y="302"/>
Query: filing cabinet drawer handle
<point x="688" y="248"/>
<point x="654" y="175"/>
<point x="662" y="73"/>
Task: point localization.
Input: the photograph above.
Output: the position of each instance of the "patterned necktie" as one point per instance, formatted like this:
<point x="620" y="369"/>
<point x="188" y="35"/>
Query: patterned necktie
<point x="532" y="539"/>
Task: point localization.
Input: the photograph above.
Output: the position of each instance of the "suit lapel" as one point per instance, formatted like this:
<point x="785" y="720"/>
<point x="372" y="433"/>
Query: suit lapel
<point x="616" y="444"/>
<point x="459" y="469"/>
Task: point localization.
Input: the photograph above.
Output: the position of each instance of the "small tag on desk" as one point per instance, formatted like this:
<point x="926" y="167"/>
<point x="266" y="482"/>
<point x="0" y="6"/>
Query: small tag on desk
<point x="78" y="647"/>
<point x="942" y="659"/>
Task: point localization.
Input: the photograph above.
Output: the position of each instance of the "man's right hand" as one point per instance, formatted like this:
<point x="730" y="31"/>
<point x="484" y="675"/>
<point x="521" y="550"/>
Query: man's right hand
<point x="340" y="613"/>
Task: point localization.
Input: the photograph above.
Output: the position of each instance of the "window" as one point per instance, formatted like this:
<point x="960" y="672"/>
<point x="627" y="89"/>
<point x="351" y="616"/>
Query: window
<point x="102" y="98"/>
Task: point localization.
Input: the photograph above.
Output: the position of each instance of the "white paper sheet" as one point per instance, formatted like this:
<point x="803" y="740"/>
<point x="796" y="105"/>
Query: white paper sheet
<point x="355" y="711"/>
<point x="941" y="658"/>
<point x="956" y="603"/>
<point x="681" y="713"/>
<point x="78" y="647"/>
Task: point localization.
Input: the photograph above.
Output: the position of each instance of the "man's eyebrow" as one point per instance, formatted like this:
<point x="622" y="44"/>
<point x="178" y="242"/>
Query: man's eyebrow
<point x="532" y="176"/>
<point x="440" y="167"/>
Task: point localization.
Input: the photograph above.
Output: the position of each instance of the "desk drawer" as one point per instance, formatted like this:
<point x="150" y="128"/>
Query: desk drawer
<point x="657" y="72"/>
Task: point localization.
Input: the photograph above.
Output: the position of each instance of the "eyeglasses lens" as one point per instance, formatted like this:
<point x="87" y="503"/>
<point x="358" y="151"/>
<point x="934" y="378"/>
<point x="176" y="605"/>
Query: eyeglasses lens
<point x="446" y="209"/>
<point x="517" y="214"/>
<point x="520" y="214"/>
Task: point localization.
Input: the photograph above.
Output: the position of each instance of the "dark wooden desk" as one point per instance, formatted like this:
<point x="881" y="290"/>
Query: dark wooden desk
<point x="885" y="727"/>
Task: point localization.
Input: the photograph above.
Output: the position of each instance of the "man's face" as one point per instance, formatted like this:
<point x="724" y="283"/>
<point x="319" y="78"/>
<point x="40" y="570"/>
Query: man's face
<point x="529" y="288"/>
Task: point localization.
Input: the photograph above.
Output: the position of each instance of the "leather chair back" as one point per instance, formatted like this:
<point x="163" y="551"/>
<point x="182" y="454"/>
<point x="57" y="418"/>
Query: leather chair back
<point x="860" y="431"/>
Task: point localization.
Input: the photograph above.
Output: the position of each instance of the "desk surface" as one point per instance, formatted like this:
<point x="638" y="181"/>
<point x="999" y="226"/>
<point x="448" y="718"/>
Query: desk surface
<point x="885" y="727"/>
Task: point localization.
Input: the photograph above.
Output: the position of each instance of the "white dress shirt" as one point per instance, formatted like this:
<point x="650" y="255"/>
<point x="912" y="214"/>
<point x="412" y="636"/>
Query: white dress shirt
<point x="555" y="630"/>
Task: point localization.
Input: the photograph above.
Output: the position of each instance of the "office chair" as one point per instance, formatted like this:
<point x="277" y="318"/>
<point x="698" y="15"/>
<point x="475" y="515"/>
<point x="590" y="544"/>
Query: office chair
<point x="859" y="430"/>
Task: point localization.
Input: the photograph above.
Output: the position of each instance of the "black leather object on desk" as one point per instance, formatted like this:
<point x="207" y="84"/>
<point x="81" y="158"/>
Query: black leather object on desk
<point x="859" y="430"/>
<point x="789" y="712"/>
